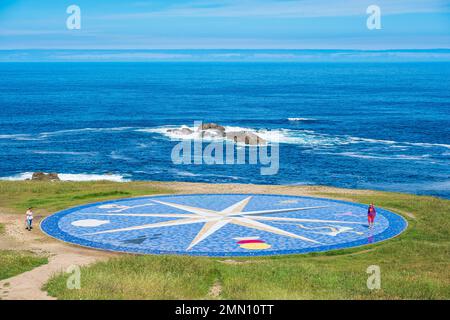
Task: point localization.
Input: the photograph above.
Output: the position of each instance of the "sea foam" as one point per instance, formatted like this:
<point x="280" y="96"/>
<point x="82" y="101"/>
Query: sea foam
<point x="306" y="138"/>
<point x="300" y="137"/>
<point x="301" y="119"/>
<point x="71" y="177"/>
<point x="50" y="134"/>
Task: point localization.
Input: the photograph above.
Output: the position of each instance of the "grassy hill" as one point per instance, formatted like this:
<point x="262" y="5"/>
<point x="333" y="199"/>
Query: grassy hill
<point x="415" y="265"/>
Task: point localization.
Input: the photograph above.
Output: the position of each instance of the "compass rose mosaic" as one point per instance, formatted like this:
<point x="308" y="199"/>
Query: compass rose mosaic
<point x="222" y="225"/>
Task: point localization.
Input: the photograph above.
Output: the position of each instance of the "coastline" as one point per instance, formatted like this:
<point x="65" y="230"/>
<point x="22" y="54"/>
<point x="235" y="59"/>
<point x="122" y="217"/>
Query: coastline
<point x="221" y="187"/>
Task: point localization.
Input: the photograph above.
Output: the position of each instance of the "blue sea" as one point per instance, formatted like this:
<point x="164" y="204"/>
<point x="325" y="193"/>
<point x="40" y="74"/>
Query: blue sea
<point x="383" y="126"/>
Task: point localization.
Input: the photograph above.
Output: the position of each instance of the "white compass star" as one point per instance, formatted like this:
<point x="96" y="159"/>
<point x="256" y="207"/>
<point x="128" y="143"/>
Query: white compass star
<point x="215" y="220"/>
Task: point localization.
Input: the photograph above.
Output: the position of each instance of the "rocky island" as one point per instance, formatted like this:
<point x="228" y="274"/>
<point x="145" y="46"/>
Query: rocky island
<point x="214" y="131"/>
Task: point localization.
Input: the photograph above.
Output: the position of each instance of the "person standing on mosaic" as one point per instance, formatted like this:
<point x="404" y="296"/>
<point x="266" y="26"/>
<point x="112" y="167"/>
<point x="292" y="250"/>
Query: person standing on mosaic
<point x="371" y="213"/>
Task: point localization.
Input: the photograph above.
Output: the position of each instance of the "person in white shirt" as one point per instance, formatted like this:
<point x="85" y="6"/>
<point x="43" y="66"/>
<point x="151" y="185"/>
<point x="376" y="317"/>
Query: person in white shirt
<point x="29" y="219"/>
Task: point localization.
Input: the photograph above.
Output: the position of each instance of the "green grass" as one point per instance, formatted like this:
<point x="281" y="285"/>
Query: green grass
<point x="13" y="263"/>
<point x="142" y="277"/>
<point x="47" y="197"/>
<point x="415" y="265"/>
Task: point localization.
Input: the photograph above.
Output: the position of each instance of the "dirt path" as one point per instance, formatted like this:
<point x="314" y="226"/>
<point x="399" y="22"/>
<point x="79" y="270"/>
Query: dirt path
<point x="60" y="255"/>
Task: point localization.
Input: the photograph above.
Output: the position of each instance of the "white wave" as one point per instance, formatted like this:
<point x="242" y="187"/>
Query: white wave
<point x="71" y="131"/>
<point x="92" y="177"/>
<point x="174" y="132"/>
<point x="381" y="157"/>
<point x="301" y="119"/>
<point x="44" y="135"/>
<point x="169" y="131"/>
<point x="72" y="153"/>
<point x="191" y="174"/>
<point x="187" y="174"/>
<point x="225" y="176"/>
<point x="117" y="156"/>
<point x="71" y="177"/>
<point x="18" y="177"/>
<point x="18" y="137"/>
<point x="398" y="144"/>
<point x="301" y="137"/>
<point x="306" y="138"/>
<point x="427" y="145"/>
<point x="367" y="140"/>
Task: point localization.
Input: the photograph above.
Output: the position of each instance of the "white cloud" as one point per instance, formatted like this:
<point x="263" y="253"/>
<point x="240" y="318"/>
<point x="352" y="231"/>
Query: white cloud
<point x="288" y="8"/>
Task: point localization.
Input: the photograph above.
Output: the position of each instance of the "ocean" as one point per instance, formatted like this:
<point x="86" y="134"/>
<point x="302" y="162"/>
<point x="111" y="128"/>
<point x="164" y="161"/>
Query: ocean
<point x="383" y="126"/>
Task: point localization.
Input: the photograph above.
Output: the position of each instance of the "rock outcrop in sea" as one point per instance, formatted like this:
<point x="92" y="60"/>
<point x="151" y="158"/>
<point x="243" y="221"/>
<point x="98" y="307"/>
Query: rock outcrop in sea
<point x="212" y="126"/>
<point x="245" y="137"/>
<point x="214" y="130"/>
<point x="182" y="131"/>
<point x="42" y="176"/>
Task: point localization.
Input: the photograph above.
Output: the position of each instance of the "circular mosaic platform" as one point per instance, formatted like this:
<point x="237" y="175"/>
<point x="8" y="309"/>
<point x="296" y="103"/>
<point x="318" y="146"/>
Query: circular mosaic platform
<point x="222" y="225"/>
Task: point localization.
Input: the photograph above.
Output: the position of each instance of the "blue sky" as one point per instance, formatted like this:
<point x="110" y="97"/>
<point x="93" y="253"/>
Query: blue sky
<point x="225" y="24"/>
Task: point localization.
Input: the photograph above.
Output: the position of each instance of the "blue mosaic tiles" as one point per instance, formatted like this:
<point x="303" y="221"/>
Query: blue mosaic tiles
<point x="222" y="225"/>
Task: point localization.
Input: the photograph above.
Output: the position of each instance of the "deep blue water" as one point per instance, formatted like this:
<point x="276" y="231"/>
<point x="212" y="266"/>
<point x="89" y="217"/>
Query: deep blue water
<point x="377" y="126"/>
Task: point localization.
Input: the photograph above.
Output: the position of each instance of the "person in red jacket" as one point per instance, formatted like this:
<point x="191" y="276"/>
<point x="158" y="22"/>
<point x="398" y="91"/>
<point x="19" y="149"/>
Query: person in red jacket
<point x="371" y="213"/>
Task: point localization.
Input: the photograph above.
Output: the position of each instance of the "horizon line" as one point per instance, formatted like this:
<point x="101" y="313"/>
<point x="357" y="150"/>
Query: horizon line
<point x="223" y="49"/>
